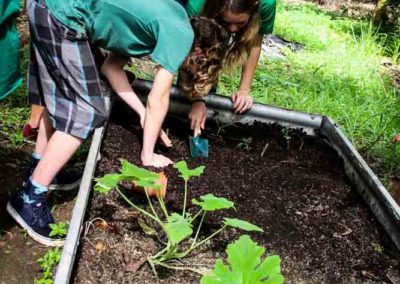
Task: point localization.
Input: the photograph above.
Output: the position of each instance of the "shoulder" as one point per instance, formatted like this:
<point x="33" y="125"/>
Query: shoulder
<point x="267" y="5"/>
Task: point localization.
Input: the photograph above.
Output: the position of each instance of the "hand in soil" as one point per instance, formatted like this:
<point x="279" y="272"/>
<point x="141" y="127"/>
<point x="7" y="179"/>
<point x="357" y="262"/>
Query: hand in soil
<point x="396" y="139"/>
<point x="197" y="116"/>
<point x="242" y="101"/>
<point x="158" y="161"/>
<point x="165" y="139"/>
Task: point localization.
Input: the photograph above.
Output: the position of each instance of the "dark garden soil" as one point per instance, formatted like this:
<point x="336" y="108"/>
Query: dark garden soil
<point x="18" y="252"/>
<point x="297" y="192"/>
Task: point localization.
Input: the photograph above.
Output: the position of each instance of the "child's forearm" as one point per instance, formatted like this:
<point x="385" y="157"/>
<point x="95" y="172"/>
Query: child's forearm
<point x="157" y="107"/>
<point x="250" y="65"/>
<point x="113" y="70"/>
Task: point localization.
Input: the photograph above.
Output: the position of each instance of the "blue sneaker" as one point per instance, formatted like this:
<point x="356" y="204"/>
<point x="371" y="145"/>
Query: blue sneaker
<point x="63" y="181"/>
<point x="28" y="206"/>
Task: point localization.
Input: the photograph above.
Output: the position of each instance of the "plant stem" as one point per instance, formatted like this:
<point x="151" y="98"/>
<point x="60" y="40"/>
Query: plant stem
<point x="185" y="253"/>
<point x="177" y="267"/>
<point x="162" y="205"/>
<point x="152" y="267"/>
<point x="159" y="253"/>
<point x="151" y="204"/>
<point x="137" y="207"/>
<point x="197" y="215"/>
<point x="198" y="230"/>
<point x="184" y="199"/>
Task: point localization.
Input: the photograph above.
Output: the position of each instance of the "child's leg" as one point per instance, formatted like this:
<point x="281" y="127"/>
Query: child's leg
<point x="53" y="159"/>
<point x="46" y="130"/>
<point x="63" y="73"/>
<point x="35" y="116"/>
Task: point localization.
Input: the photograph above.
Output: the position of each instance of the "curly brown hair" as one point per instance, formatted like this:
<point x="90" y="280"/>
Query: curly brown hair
<point x="200" y="71"/>
<point x="244" y="40"/>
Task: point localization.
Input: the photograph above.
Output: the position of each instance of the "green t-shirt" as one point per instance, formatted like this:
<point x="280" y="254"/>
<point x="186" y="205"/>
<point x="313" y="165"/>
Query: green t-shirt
<point x="267" y="13"/>
<point x="10" y="73"/>
<point x="132" y="28"/>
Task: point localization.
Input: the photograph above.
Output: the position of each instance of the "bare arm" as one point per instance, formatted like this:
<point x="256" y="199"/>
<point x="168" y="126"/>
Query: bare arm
<point x="156" y="110"/>
<point x="241" y="99"/>
<point x="113" y="70"/>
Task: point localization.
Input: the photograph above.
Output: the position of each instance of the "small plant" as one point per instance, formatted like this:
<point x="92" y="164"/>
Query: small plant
<point x="177" y="227"/>
<point x="286" y="135"/>
<point x="378" y="248"/>
<point x="245" y="143"/>
<point x="245" y="266"/>
<point x="47" y="263"/>
<point x="59" y="229"/>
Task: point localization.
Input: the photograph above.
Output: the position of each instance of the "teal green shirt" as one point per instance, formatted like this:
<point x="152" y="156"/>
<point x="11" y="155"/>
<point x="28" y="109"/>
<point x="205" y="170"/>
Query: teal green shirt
<point x="132" y="28"/>
<point x="267" y="13"/>
<point x="10" y="73"/>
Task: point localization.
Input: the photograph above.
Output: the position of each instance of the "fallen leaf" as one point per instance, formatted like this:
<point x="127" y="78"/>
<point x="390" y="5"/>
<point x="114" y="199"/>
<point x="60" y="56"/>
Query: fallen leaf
<point x="100" y="247"/>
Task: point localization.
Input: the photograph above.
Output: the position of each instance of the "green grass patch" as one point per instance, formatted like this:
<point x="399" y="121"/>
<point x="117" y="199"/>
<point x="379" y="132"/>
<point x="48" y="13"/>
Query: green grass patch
<point x="339" y="74"/>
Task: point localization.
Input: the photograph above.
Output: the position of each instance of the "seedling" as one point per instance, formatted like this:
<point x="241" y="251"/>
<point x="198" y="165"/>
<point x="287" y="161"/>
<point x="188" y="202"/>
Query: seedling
<point x="287" y="137"/>
<point x="47" y="263"/>
<point x="245" y="143"/>
<point x="244" y="266"/>
<point x="177" y="227"/>
<point x="59" y="229"/>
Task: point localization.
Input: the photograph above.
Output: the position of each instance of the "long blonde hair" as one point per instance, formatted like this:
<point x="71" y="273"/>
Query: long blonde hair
<point x="200" y="71"/>
<point x="244" y="40"/>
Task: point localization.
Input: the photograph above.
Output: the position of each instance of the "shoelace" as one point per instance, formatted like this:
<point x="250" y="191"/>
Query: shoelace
<point x="41" y="210"/>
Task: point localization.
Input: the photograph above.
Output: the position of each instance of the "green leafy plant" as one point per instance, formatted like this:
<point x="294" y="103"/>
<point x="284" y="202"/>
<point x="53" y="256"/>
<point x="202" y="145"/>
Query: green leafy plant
<point x="245" y="266"/>
<point x="177" y="227"/>
<point x="245" y="143"/>
<point x="50" y="259"/>
<point x="59" y="229"/>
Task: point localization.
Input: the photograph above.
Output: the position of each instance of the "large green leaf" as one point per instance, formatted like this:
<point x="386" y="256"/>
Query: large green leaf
<point x="210" y="202"/>
<point x="107" y="182"/>
<point x="245" y="266"/>
<point x="243" y="225"/>
<point x="177" y="228"/>
<point x="187" y="173"/>
<point x="131" y="170"/>
<point x="221" y="275"/>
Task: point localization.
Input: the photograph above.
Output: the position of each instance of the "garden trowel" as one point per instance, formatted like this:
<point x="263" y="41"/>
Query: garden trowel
<point x="198" y="147"/>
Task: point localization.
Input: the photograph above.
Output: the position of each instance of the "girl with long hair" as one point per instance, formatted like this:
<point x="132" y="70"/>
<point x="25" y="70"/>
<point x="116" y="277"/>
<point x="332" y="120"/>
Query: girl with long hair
<point x="247" y="21"/>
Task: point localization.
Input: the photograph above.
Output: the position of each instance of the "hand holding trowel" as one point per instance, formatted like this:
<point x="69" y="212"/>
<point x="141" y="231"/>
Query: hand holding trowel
<point x="198" y="114"/>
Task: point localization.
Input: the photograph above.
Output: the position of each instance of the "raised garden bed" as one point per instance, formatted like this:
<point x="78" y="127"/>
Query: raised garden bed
<point x="292" y="185"/>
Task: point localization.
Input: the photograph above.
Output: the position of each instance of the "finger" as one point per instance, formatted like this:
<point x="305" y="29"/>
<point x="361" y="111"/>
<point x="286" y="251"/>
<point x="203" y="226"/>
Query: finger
<point x="203" y="122"/>
<point x="237" y="103"/>
<point x="239" y="108"/>
<point x="165" y="139"/>
<point x="247" y="106"/>
<point x="234" y="97"/>
<point x="396" y="139"/>
<point x="197" y="131"/>
<point x="192" y="123"/>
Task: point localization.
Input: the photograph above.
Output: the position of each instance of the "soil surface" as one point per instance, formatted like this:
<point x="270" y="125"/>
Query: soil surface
<point x="297" y="192"/>
<point x="18" y="252"/>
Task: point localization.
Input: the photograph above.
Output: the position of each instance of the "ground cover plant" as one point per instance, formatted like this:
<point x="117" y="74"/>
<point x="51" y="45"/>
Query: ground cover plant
<point x="244" y="255"/>
<point x="52" y="257"/>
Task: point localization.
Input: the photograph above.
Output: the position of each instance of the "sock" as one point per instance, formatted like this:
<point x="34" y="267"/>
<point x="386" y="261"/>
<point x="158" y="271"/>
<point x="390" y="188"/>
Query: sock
<point x="39" y="189"/>
<point x="36" y="156"/>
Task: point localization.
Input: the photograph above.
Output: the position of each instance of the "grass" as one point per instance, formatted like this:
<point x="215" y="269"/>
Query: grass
<point x="339" y="74"/>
